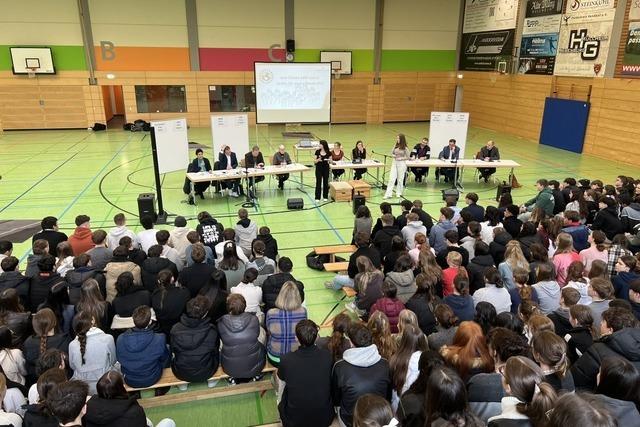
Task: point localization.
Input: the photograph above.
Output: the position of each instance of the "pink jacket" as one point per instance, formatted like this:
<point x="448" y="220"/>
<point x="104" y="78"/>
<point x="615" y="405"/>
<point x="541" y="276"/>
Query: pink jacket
<point x="562" y="263"/>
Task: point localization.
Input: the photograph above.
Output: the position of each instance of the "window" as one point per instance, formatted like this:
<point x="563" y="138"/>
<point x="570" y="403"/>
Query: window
<point x="161" y="99"/>
<point x="232" y="98"/>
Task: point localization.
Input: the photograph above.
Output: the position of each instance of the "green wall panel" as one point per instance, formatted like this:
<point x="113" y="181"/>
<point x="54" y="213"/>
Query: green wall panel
<point x="65" y="58"/>
<point x="418" y="60"/>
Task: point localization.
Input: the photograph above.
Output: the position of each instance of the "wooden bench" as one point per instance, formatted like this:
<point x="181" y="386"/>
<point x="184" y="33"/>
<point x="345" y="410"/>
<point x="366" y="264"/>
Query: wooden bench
<point x="168" y="379"/>
<point x="349" y="292"/>
<point x="333" y="250"/>
<point x="336" y="267"/>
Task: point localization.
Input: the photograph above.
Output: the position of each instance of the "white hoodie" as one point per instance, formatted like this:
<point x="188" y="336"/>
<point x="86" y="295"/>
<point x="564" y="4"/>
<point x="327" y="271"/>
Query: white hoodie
<point x="117" y="233"/>
<point x="410" y="377"/>
<point x="178" y="240"/>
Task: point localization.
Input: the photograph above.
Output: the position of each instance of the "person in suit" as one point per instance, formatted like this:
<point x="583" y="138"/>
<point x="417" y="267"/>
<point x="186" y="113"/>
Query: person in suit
<point x="488" y="153"/>
<point x="254" y="159"/>
<point x="227" y="160"/>
<point x="452" y="153"/>
<point x="281" y="158"/>
<point x="359" y="152"/>
<point x="200" y="164"/>
<point x="421" y="151"/>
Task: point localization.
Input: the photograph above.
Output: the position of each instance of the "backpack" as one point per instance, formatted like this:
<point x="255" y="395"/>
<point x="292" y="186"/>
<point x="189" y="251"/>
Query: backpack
<point x="316" y="262"/>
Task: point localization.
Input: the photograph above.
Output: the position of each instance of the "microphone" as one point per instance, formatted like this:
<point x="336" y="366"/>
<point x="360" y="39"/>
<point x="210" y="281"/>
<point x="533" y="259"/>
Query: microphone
<point x="380" y="154"/>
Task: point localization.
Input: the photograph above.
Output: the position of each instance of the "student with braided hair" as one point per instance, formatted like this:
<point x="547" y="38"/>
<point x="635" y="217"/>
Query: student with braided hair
<point x="92" y="353"/>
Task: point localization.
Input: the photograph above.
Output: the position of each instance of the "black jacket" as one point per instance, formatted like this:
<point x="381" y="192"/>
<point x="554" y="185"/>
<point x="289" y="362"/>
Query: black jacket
<point x="271" y="245"/>
<point x="169" y="309"/>
<point x="53" y="237"/>
<point x="31" y="351"/>
<point x="476" y="268"/>
<point x="441" y="258"/>
<point x="114" y="413"/>
<point x="306" y="399"/>
<point x="150" y="269"/>
<point x="426" y="320"/>
<point x="512" y="225"/>
<point x="194" y="343"/>
<point x="476" y="211"/>
<point x="624" y="343"/>
<point x="499" y="246"/>
<point x="424" y="217"/>
<point x="560" y="321"/>
<point x="251" y="161"/>
<point x="218" y="298"/>
<point x="608" y="222"/>
<point x="242" y="356"/>
<point x="210" y="232"/>
<point x="271" y="288"/>
<point x="195" y="277"/>
<point x="222" y="161"/>
<point x="124" y="305"/>
<point x="370" y="252"/>
<point x="559" y="203"/>
<point x="351" y="381"/>
<point x="39" y="287"/>
<point x="193" y="167"/>
<point x="38" y="416"/>
<point x="382" y="239"/>
<point x="578" y="340"/>
<point x="20" y="326"/>
<point x="136" y="256"/>
<point x="17" y="281"/>
<point x="76" y="277"/>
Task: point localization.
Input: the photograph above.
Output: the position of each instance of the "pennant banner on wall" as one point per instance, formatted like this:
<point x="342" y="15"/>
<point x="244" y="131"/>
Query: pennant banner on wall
<point x="583" y="45"/>
<point x="631" y="59"/>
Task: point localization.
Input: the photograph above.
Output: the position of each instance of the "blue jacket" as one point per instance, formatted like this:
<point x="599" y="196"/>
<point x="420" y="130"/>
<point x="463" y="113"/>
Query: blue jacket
<point x="436" y="238"/>
<point x="580" y="235"/>
<point x="444" y="154"/>
<point x="142" y="354"/>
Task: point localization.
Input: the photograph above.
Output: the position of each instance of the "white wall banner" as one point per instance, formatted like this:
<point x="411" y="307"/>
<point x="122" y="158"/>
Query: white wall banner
<point x="489" y="15"/>
<point x="445" y="126"/>
<point x="541" y="25"/>
<point x="583" y="45"/>
<point x="634" y="12"/>
<point x="588" y="5"/>
<point x="172" y="144"/>
<point x="231" y="130"/>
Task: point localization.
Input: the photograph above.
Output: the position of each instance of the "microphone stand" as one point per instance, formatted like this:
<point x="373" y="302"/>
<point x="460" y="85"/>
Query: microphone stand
<point x="250" y="201"/>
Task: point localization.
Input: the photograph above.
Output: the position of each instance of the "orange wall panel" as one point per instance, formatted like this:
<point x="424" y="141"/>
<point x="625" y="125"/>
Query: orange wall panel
<point x="129" y="58"/>
<point x="106" y="101"/>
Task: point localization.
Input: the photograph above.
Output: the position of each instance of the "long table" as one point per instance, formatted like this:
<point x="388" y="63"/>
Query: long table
<point x="462" y="163"/>
<point x="238" y="173"/>
<point x="365" y="164"/>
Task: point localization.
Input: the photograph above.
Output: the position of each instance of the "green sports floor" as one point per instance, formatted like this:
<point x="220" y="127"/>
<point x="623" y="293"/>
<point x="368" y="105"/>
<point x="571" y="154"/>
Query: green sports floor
<point x="65" y="173"/>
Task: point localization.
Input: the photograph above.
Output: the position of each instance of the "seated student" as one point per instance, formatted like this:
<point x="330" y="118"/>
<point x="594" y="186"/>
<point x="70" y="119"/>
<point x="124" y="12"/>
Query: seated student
<point x="448" y="404"/>
<point x="40" y="248"/>
<point x="119" y="264"/>
<point x="270" y="243"/>
<point x="6" y="249"/>
<point x="38" y="413"/>
<point x="561" y="316"/>
<point x="147" y="237"/>
<point x="468" y="353"/>
<point x="194" y="239"/>
<point x="362" y="222"/>
<point x="200" y="164"/>
<point x="134" y="253"/>
<point x="46" y="336"/>
<point x="305" y="381"/>
<point x="337" y="155"/>
<point x="281" y="322"/>
<point x="41" y="284"/>
<point x="194" y="277"/>
<point x="522" y="291"/>
<point x="477" y="211"/>
<point x="246" y="232"/>
<point x="401" y="220"/>
<point x="194" y="343"/>
<point x="544" y="200"/>
<point x="529" y="397"/>
<point x="627" y="272"/>
<point x="454" y="262"/>
<point x="281" y="158"/>
<point x="92" y="352"/>
<point x="581" y="335"/>
<point x="485" y="389"/>
<point x="619" y="336"/>
<point x="82" y="272"/>
<point x="229" y="235"/>
<point x="92" y="301"/>
<point x="68" y="402"/>
<point x="579" y="232"/>
<point x="403" y="277"/>
<point x="550" y="351"/>
<point x="411" y="408"/>
<point x="254" y="159"/>
<point x="142" y="353"/>
<point x="451" y="237"/>
<point x="371" y="409"/>
<point x="437" y="239"/>
<point x="178" y="238"/>
<point x="446" y="326"/>
<point x="337" y="342"/>
<point x="14" y="317"/>
<point x="488" y="153"/>
<point x="12" y="361"/>
<point x="362" y="370"/>
<point x="634" y="297"/>
<point x="129" y="296"/>
<point x="390" y="305"/>
<point x="64" y="260"/>
<point x="154" y="264"/>
<point x="451" y="153"/>
<point x="460" y="301"/>
<point x="511" y="223"/>
<point x="451" y="202"/>
<point x="112" y="406"/>
<point x="80" y="240"/>
<point x="478" y="265"/>
<point x="263" y="265"/>
<point x="227" y="160"/>
<point x="368" y="285"/>
<point x="397" y="249"/>
<point x="243" y="354"/>
<point x="601" y="293"/>
<point x="11" y="278"/>
<point x="251" y="293"/>
<point x="385" y="208"/>
<point x="547" y="290"/>
<point x="421" y="151"/>
<point x="273" y="284"/>
<point x="383" y="238"/>
<point x="119" y="231"/>
<point x="618" y="384"/>
<point x="232" y="267"/>
<point x="100" y="254"/>
<point x="597" y="250"/>
<point x="358" y="154"/>
<point x="630" y="213"/>
<point x="607" y="218"/>
<point x="162" y="237"/>
<point x="168" y="301"/>
<point x="209" y="231"/>
<point x="493" y="292"/>
<point x="50" y="233"/>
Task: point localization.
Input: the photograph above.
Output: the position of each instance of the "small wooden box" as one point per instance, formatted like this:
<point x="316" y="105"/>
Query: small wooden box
<point x="340" y="191"/>
<point x="361" y="187"/>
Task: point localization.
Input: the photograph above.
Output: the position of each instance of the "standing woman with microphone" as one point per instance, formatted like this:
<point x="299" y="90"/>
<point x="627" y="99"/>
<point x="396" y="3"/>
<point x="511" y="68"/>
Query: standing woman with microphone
<point x="322" y="159"/>
<point x="400" y="154"/>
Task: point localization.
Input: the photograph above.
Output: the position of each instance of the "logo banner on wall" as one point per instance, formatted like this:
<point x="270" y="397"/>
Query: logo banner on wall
<point x="631" y="59"/>
<point x="489" y="15"/>
<point x="536" y="8"/>
<point x="538" y="54"/>
<point x="583" y="45"/>
<point x="575" y="6"/>
<point x="634" y="12"/>
<point x="536" y="65"/>
<point x="541" y="25"/>
<point x="482" y="51"/>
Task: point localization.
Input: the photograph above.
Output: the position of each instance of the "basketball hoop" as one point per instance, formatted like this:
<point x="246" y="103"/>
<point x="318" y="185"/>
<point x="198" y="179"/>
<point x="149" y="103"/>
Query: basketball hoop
<point x="31" y="72"/>
<point x="336" y="74"/>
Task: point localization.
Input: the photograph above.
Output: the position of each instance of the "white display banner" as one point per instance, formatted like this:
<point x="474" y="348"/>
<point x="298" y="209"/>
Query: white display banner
<point x="583" y="45"/>
<point x="588" y="5"/>
<point x="445" y="126"/>
<point x="172" y="145"/>
<point x="231" y="130"/>
<point x="634" y="12"/>
<point x="489" y="15"/>
<point x="542" y="25"/>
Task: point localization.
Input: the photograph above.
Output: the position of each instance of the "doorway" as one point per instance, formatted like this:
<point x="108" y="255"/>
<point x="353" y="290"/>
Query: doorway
<point x="114" y="110"/>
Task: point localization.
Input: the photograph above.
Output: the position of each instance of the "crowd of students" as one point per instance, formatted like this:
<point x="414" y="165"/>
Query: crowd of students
<point x="499" y="315"/>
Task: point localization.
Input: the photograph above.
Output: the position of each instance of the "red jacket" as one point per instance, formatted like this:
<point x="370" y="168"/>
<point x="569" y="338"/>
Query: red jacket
<point x="80" y="240"/>
<point x="392" y="308"/>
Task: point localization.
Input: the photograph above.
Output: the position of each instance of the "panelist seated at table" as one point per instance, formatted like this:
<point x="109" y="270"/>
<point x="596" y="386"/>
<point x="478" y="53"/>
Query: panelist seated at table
<point x="358" y="154"/>
<point x="227" y="160"/>
<point x="452" y="153"/>
<point x="488" y="153"/>
<point x="254" y="159"/>
<point x="200" y="164"/>
<point x="281" y="158"/>
<point x="421" y="151"/>
<point x="336" y="155"/>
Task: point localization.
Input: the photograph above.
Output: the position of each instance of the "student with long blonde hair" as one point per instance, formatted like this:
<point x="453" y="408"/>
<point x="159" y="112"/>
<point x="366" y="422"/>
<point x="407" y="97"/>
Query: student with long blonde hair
<point x="404" y="363"/>
<point x="381" y="334"/>
<point x="513" y="258"/>
<point x="368" y="285"/>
